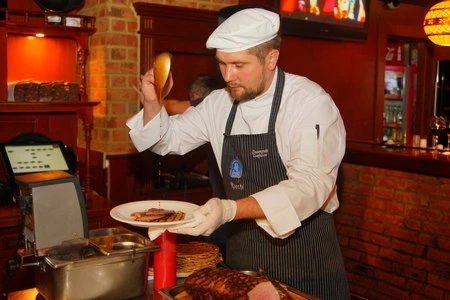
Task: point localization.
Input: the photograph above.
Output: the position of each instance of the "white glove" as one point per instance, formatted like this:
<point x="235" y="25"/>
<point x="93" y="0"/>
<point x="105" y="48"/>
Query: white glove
<point x="208" y="217"/>
<point x="155" y="231"/>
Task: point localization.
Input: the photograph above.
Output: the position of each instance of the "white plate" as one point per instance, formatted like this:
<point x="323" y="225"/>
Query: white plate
<point x="122" y="213"/>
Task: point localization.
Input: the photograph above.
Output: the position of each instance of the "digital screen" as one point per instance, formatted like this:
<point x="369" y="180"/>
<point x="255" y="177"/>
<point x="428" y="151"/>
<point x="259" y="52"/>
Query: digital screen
<point x="347" y="13"/>
<point x="326" y="19"/>
<point x="35" y="158"/>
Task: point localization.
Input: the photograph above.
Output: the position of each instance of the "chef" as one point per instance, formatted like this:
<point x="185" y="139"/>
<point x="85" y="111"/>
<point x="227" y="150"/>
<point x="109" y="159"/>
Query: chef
<point x="279" y="139"/>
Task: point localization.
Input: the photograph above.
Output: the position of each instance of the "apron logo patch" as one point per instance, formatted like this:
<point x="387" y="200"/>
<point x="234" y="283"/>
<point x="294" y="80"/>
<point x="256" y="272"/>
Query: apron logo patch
<point x="239" y="186"/>
<point x="236" y="168"/>
<point x="260" y="153"/>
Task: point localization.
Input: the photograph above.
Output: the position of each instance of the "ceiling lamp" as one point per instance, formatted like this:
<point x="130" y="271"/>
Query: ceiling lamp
<point x="437" y="23"/>
<point x="60" y="6"/>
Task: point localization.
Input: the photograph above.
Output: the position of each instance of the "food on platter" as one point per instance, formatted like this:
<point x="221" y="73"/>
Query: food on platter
<point x="158" y="215"/>
<point x="124" y="213"/>
<point x="227" y="284"/>
<point x="221" y="283"/>
<point x="197" y="255"/>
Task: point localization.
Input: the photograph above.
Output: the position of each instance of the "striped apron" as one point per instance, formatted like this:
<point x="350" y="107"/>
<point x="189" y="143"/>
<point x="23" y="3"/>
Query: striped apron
<point x="310" y="259"/>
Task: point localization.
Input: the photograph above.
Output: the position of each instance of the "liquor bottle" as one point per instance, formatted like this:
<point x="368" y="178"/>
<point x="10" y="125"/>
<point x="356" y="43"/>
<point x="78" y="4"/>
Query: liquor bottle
<point x="394" y="115"/>
<point x="399" y="117"/>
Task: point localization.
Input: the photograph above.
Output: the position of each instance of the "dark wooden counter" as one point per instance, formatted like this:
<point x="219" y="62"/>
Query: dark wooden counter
<point x="408" y="159"/>
<point x="394" y="205"/>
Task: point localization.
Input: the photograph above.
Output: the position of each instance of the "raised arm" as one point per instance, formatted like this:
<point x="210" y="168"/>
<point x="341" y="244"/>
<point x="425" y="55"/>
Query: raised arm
<point x="150" y="100"/>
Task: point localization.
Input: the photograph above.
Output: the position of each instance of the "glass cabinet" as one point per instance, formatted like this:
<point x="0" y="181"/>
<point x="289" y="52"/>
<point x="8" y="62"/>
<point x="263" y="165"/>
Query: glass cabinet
<point x="400" y="80"/>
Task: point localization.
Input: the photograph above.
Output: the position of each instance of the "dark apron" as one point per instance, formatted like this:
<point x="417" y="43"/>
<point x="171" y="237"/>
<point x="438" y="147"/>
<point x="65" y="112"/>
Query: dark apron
<point x="310" y="259"/>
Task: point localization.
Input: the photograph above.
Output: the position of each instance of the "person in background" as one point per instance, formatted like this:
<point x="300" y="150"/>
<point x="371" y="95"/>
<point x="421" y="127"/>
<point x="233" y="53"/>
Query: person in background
<point x="199" y="88"/>
<point x="279" y="140"/>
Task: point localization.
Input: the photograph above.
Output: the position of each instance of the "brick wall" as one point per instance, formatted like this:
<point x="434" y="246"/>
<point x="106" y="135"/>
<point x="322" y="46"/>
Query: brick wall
<point x="113" y="65"/>
<point x="394" y="229"/>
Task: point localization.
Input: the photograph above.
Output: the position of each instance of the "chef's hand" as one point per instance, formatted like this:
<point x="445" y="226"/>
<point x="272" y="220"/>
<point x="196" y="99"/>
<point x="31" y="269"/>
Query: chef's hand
<point x="148" y="90"/>
<point x="209" y="217"/>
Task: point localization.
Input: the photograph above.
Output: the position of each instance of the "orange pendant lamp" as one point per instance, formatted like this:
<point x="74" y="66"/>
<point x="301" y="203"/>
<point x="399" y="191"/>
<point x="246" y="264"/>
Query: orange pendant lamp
<point x="437" y="23"/>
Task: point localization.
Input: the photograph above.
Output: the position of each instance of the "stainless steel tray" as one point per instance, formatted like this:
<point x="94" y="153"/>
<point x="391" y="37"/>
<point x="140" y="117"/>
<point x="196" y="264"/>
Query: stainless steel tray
<point x="119" y="240"/>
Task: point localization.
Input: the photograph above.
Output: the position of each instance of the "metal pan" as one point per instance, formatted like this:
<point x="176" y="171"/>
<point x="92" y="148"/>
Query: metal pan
<point x="120" y="241"/>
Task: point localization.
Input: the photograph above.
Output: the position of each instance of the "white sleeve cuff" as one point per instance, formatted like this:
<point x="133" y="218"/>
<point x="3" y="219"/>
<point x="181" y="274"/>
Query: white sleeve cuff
<point x="264" y="224"/>
<point x="281" y="217"/>
<point x="144" y="137"/>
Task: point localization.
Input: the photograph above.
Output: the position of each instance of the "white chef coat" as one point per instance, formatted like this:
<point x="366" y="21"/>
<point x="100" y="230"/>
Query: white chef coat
<point x="310" y="137"/>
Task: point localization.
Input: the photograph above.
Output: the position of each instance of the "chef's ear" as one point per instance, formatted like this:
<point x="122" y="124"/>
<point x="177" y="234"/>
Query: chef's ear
<point x="272" y="58"/>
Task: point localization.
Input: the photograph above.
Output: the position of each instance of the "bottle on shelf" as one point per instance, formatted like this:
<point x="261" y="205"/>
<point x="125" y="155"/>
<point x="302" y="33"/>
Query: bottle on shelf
<point x="394" y="115"/>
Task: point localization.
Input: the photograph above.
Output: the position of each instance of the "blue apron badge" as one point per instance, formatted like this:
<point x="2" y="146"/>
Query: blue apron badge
<point x="236" y="168"/>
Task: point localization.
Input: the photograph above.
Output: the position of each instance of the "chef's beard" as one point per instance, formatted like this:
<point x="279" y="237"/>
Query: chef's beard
<point x="241" y="93"/>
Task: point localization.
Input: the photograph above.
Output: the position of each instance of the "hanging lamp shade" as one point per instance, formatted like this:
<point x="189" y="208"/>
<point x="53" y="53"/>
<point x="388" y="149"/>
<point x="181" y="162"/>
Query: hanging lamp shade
<point x="437" y="23"/>
<point x="60" y="6"/>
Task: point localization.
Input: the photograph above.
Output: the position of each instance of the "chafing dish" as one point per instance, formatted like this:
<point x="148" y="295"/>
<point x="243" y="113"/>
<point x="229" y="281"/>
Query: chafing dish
<point x="93" y="269"/>
<point x="70" y="261"/>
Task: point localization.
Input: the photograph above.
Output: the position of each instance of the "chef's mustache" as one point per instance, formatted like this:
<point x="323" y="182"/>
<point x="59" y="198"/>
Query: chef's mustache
<point x="233" y="86"/>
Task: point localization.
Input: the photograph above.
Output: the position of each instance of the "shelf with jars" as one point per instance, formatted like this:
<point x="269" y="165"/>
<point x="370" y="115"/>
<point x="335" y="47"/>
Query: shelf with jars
<point x="21" y="25"/>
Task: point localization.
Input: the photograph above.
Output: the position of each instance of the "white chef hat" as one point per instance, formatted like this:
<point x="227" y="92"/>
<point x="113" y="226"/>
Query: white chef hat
<point x="244" y="29"/>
